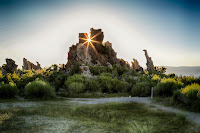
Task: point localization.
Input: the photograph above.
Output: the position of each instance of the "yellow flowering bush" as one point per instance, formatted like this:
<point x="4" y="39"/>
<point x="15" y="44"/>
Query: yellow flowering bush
<point x="191" y="91"/>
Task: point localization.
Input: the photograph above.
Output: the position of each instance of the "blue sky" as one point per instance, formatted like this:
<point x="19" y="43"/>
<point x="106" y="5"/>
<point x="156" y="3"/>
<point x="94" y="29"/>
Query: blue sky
<point x="44" y="30"/>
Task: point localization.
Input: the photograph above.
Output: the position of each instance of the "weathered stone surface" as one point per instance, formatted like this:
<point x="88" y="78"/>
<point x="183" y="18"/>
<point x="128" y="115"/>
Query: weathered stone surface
<point x="27" y="65"/>
<point x="86" y="71"/>
<point x="94" y="52"/>
<point x="136" y="66"/>
<point x="96" y="35"/>
<point x="83" y="37"/>
<point x="108" y="44"/>
<point x="9" y="67"/>
<point x="150" y="66"/>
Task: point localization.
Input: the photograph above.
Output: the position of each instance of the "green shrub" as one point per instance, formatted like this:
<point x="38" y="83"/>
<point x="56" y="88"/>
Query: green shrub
<point x="39" y="89"/>
<point x="112" y="85"/>
<point x="105" y="83"/>
<point x="92" y="85"/>
<point x="166" y="87"/>
<point x="8" y="90"/>
<point x="141" y="89"/>
<point x="191" y="91"/>
<point x="75" y="69"/>
<point x="74" y="78"/>
<point x="188" y="97"/>
<point x="76" y="87"/>
<point x="120" y="86"/>
<point x="97" y="70"/>
<point x="188" y="80"/>
<point x="156" y="77"/>
<point x="57" y="79"/>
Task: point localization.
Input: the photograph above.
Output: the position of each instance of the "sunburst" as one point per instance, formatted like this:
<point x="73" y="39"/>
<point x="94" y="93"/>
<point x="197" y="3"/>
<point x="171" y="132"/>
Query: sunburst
<point x="88" y="42"/>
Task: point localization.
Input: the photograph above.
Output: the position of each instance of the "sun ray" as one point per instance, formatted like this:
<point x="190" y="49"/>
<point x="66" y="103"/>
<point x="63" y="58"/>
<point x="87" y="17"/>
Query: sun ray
<point x="94" y="48"/>
<point x="88" y="42"/>
<point x="83" y="38"/>
<point x="83" y="43"/>
<point x="95" y="35"/>
<point x="95" y="41"/>
<point x="87" y="49"/>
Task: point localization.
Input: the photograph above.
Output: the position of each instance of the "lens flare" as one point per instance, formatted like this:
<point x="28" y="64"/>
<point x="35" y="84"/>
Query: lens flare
<point x="89" y="41"/>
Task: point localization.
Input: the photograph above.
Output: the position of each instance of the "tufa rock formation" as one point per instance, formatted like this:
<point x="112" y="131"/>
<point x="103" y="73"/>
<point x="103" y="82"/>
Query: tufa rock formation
<point x="9" y="67"/>
<point x="150" y="66"/>
<point x="136" y="66"/>
<point x="93" y="52"/>
<point x="27" y="65"/>
<point x="86" y="71"/>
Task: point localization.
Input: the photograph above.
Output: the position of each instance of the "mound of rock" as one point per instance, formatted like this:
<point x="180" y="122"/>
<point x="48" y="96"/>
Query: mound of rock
<point x="136" y="66"/>
<point x="92" y="51"/>
<point x="9" y="67"/>
<point x="27" y="65"/>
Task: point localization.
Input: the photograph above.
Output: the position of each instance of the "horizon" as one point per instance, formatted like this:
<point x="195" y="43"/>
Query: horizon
<point x="44" y="30"/>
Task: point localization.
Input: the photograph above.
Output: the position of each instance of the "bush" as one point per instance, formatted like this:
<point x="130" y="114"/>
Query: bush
<point x="188" y="80"/>
<point x="97" y="70"/>
<point x="192" y="91"/>
<point x="74" y="78"/>
<point x="112" y="85"/>
<point x="189" y="96"/>
<point x="8" y="90"/>
<point x="141" y="89"/>
<point x="105" y="83"/>
<point x="156" y="77"/>
<point x="75" y="69"/>
<point x="120" y="86"/>
<point x="166" y="87"/>
<point x="39" y="89"/>
<point x="76" y="87"/>
<point x="92" y="85"/>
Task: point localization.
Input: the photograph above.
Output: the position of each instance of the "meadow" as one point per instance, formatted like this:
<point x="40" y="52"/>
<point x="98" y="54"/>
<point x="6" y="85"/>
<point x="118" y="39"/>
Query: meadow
<point x="41" y="104"/>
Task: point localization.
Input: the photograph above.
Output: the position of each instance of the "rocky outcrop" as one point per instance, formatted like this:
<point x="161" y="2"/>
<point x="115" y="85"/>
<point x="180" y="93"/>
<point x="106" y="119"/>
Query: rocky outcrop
<point x="150" y="66"/>
<point x="83" y="37"/>
<point x="86" y="71"/>
<point x="136" y="66"/>
<point x="9" y="67"/>
<point x="96" y="35"/>
<point x="27" y="65"/>
<point x="93" y="52"/>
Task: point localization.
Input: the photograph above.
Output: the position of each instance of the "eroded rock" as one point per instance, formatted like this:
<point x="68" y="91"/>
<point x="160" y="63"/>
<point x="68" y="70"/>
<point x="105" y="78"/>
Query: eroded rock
<point x="86" y="71"/>
<point x="27" y="65"/>
<point x="150" y="66"/>
<point x="94" y="52"/>
<point x="136" y="66"/>
<point x="9" y="67"/>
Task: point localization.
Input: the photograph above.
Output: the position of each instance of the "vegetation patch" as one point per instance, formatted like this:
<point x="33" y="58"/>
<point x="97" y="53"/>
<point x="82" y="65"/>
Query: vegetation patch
<point x="110" y="117"/>
<point x="39" y="89"/>
<point x="8" y="90"/>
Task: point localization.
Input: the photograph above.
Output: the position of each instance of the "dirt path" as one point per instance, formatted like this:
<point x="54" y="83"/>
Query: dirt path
<point x="194" y="117"/>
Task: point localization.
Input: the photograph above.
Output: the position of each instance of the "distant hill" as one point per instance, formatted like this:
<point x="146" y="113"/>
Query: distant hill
<point x="184" y="70"/>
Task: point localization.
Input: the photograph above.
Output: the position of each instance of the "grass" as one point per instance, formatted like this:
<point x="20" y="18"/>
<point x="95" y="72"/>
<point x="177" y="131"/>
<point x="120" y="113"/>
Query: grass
<point x="168" y="101"/>
<point x="63" y="116"/>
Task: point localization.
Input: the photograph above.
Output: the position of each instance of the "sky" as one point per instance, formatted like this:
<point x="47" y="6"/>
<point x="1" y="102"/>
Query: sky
<point x="43" y="30"/>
